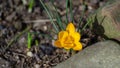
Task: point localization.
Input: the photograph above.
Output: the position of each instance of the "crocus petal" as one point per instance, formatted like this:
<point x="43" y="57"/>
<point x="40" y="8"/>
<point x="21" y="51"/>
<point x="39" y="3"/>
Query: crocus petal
<point x="78" y="46"/>
<point x="68" y="46"/>
<point x="76" y="36"/>
<point x="68" y="40"/>
<point x="57" y="43"/>
<point x="62" y="34"/>
<point x="70" y="28"/>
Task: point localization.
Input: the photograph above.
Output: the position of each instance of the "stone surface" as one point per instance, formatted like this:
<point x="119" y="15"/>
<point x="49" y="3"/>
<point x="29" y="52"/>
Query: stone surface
<point x="100" y="55"/>
<point x="107" y="20"/>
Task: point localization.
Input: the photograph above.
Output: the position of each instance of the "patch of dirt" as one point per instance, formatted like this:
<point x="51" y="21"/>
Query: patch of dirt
<point x="16" y="22"/>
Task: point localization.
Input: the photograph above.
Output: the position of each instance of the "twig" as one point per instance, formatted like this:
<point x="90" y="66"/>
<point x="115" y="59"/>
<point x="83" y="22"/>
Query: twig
<point x="39" y="21"/>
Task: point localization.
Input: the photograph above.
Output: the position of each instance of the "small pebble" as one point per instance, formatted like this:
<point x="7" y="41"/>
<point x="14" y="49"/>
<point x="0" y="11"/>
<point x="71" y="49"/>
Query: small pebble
<point x="37" y="66"/>
<point x="30" y="54"/>
<point x="45" y="28"/>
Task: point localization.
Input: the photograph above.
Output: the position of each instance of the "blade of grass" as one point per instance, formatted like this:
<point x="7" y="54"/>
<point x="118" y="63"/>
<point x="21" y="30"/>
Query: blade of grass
<point x="51" y="19"/>
<point x="29" y="40"/>
<point x="31" y="3"/>
<point x="58" y="18"/>
<point x="67" y="1"/>
<point x="80" y="20"/>
<point x="89" y="21"/>
<point x="71" y="13"/>
<point x="36" y="42"/>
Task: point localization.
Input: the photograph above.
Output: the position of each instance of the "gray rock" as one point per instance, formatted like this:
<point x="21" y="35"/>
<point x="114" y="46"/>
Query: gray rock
<point x="100" y="55"/>
<point x="107" y="20"/>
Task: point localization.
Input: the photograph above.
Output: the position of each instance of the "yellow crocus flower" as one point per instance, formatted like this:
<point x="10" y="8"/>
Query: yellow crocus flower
<point x="69" y="39"/>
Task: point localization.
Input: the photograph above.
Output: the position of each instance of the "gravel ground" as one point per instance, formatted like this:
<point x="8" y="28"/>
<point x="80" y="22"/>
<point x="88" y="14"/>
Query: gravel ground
<point x="16" y="22"/>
